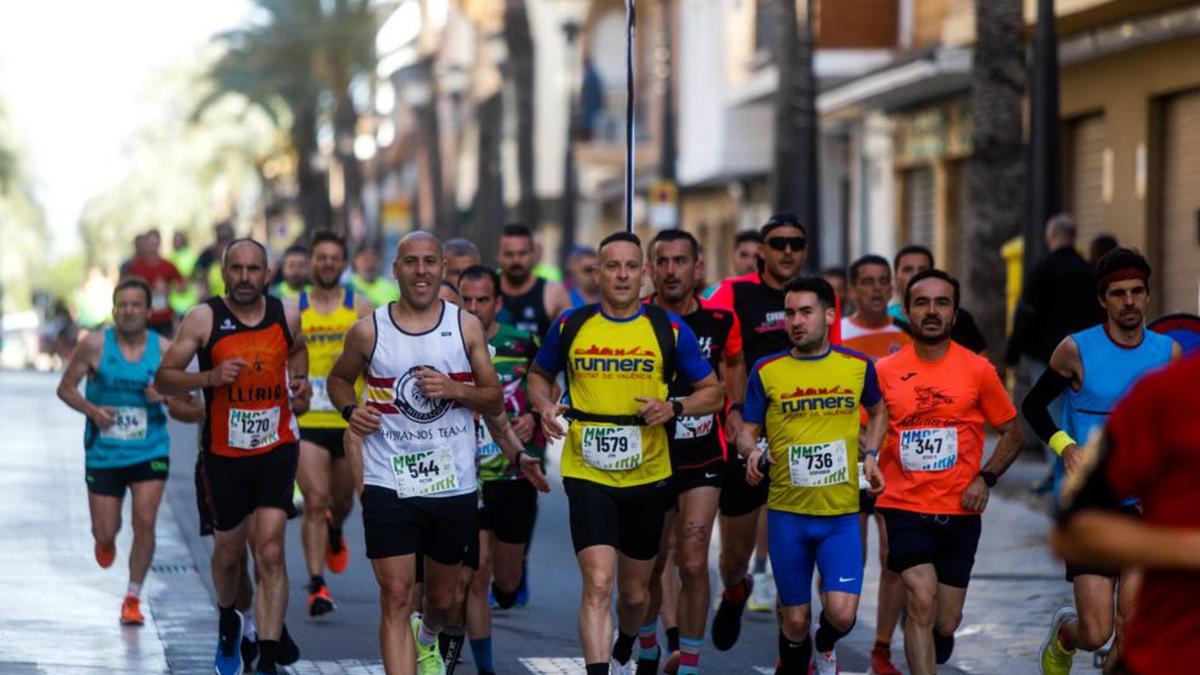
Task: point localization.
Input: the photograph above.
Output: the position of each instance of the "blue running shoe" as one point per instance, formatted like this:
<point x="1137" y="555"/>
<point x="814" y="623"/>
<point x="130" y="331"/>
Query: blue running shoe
<point x="228" y="660"/>
<point x="523" y="590"/>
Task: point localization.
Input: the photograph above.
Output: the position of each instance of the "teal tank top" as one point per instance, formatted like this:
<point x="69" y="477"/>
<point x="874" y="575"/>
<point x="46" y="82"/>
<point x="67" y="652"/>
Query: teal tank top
<point x="140" y="432"/>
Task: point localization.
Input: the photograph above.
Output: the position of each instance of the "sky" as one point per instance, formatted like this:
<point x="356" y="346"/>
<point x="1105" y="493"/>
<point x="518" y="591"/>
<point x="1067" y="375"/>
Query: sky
<point x="72" y="73"/>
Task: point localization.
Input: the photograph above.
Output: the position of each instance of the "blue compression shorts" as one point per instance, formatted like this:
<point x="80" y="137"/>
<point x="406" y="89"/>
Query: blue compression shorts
<point x="797" y="543"/>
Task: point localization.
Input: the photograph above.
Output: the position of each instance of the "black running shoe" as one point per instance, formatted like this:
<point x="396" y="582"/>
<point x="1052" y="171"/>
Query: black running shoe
<point x="727" y="623"/>
<point x="249" y="653"/>
<point x="288" y="652"/>
<point x="649" y="666"/>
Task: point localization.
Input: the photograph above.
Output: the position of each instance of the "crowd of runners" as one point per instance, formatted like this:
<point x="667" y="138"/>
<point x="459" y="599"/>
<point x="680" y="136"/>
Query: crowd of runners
<point x="790" y="411"/>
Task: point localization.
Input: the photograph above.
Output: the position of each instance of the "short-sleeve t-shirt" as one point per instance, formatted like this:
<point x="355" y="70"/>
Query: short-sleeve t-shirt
<point x="810" y="409"/>
<point x="611" y="363"/>
<point x="1151" y="451"/>
<point x="936" y="412"/>
<point x="512" y="351"/>
<point x="159" y="274"/>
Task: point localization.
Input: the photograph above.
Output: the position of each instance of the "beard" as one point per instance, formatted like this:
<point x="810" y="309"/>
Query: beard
<point x="245" y="295"/>
<point x="326" y="284"/>
<point x="925" y="338"/>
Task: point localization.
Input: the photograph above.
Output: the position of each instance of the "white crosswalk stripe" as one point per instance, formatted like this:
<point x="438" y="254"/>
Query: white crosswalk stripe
<point x="340" y="667"/>
<point x="562" y="665"/>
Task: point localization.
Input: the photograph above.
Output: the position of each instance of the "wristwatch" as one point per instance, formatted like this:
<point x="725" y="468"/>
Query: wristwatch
<point x="677" y="406"/>
<point x="348" y="411"/>
<point x="989" y="478"/>
<point x="738" y="407"/>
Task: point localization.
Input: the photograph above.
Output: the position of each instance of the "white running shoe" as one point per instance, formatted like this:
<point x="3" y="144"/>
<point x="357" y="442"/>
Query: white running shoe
<point x="762" y="598"/>
<point x="823" y="663"/>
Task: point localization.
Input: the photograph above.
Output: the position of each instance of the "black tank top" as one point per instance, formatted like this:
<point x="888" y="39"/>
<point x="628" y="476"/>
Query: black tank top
<point x="527" y="312"/>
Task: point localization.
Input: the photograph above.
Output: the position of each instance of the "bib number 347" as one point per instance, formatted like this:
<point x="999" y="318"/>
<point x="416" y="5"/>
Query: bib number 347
<point x="929" y="449"/>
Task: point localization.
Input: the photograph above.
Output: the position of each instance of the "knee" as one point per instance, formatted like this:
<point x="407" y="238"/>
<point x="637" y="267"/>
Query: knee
<point x="597" y="588"/>
<point x="692" y="570"/>
<point x="316" y="504"/>
<point x="104" y="535"/>
<point x="841" y="616"/>
<point x="395" y="598"/>
<point x="795" y="626"/>
<point x="143" y="524"/>
<point x="1093" y="633"/>
<point x="922" y="603"/>
<point x="634" y="595"/>
<point x="268" y="556"/>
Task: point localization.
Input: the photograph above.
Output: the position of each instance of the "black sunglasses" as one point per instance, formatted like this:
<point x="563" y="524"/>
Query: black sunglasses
<point x="783" y="243"/>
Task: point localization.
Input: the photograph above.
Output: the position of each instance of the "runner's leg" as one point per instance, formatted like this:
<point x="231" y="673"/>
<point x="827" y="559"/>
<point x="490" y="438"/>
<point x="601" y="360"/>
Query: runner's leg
<point x="891" y="593"/>
<point x="229" y="563"/>
<point x="341" y="491"/>
<point x="442" y="584"/>
<point x="1094" y="606"/>
<point x="395" y="576"/>
<point x="146" y="497"/>
<point x="697" y="508"/>
<point x="1128" y="588"/>
<point x="597" y="566"/>
<point x="270" y="524"/>
<point x="633" y="592"/>
<point x="315" y="481"/>
<point x="738" y="536"/>
<point x="950" y="601"/>
<point x="920" y="582"/>
<point x="106" y="519"/>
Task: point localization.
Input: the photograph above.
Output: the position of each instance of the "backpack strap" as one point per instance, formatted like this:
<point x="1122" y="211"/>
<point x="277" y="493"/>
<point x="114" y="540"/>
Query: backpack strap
<point x="570" y="329"/>
<point x="664" y="332"/>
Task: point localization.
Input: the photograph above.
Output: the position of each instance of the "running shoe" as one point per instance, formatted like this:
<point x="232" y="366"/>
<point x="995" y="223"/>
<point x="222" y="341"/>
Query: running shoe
<point x="523" y="589"/>
<point x="228" y="660"/>
<point x="289" y="651"/>
<point x="762" y="600"/>
<point x="336" y="555"/>
<point x="881" y="663"/>
<point x="131" y="612"/>
<point x="249" y="651"/>
<point x="105" y="554"/>
<point x="1055" y="660"/>
<point x="727" y="622"/>
<point x="429" y="659"/>
<point x="617" y="668"/>
<point x="319" y="601"/>
<point x="823" y="663"/>
<point x="649" y="666"/>
<point x="672" y="665"/>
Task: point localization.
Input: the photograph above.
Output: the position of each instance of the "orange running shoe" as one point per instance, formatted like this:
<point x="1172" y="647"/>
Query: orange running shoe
<point x="105" y="555"/>
<point x="672" y="665"/>
<point x="336" y="555"/>
<point x="131" y="612"/>
<point x="319" y="601"/>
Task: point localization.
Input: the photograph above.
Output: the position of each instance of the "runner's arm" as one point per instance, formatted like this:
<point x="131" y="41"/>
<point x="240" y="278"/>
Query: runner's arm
<point x="539" y="385"/>
<point x="77" y="368"/>
<point x="172" y="378"/>
<point x="1176" y="351"/>
<point x="360" y="342"/>
<point x="297" y="363"/>
<point x="182" y="408"/>
<point x="557" y="300"/>
<point x="1063" y="370"/>
<point x="1114" y="539"/>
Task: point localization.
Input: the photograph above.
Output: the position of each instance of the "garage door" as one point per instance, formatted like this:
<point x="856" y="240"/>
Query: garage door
<point x="1086" y="140"/>
<point x="1179" y="235"/>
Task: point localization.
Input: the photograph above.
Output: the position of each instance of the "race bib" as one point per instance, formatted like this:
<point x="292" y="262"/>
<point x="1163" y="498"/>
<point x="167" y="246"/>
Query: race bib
<point x="612" y="448"/>
<point x="158" y="301"/>
<point x="253" y="429"/>
<point x="320" y="396"/>
<point x="694" y="427"/>
<point x="929" y="449"/>
<point x="488" y="447"/>
<point x="819" y="464"/>
<point x="129" y="424"/>
<point x="424" y="472"/>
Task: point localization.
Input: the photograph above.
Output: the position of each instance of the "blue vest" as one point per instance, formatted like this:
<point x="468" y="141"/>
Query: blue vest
<point x="140" y="433"/>
<point x="1109" y="370"/>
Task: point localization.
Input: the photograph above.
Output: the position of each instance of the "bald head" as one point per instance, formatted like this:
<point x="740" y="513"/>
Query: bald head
<point x="244" y="269"/>
<point x="419" y="268"/>
<point x="245" y="247"/>
<point x="418" y="237"/>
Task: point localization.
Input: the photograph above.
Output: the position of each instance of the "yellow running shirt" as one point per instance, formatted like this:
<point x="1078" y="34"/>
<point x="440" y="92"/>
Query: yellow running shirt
<point x="325" y="334"/>
<point x="809" y="407"/>
<point x="611" y="362"/>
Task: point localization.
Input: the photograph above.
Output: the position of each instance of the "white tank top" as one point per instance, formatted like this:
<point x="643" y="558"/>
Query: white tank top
<point x="426" y="447"/>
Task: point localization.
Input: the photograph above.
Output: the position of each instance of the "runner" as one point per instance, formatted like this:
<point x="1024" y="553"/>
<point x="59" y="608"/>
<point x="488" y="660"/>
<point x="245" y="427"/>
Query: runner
<point x="326" y="313"/>
<point x="509" y="499"/>
<point x="581" y="274"/>
<point x="873" y="332"/>
<point x="254" y="372"/>
<point x="125" y="438"/>
<point x="747" y="249"/>
<point x="619" y="357"/>
<point x="698" y="454"/>
<point x="421" y="357"/>
<point x="367" y="280"/>
<point x="530" y="302"/>
<point x="1092" y="370"/>
<point x="460" y="254"/>
<point x="1148" y="452"/>
<point x="912" y="260"/>
<point x="162" y="278"/>
<point x="757" y="300"/>
<point x="293" y="273"/>
<point x="807" y="400"/>
<point x="938" y="395"/>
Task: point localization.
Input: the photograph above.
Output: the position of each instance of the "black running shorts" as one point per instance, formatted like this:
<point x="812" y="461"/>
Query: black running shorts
<point x="947" y="542"/>
<point x="443" y="528"/>
<point x="113" y="482"/>
<point x="330" y="439"/>
<point x="739" y="498"/>
<point x="239" y="485"/>
<point x="629" y="519"/>
<point x="509" y="510"/>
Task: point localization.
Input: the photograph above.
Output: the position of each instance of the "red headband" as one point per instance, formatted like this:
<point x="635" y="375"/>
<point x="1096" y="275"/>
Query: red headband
<point x="1121" y="275"/>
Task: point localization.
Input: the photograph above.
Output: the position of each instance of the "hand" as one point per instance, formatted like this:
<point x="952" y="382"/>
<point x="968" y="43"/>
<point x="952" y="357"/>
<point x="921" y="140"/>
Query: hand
<point x="1072" y="457"/>
<point x="975" y="497"/>
<point x="733" y="425"/>
<point x="550" y="426"/>
<point x="532" y="468"/>
<point x="301" y="394"/>
<point x="522" y="426"/>
<point x="433" y="384"/>
<point x="753" y="475"/>
<point x="224" y="374"/>
<point x="152" y="394"/>
<point x="654" y="411"/>
<point x="102" y="417"/>
<point x="364" y="421"/>
<point x="874" y="476"/>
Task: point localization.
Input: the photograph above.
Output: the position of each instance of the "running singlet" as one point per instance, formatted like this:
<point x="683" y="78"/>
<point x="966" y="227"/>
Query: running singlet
<point x="810" y="409"/>
<point x="875" y="342"/>
<point x="252" y="415"/>
<point x="936" y="411"/>
<point x="140" y="431"/>
<point x="606" y="380"/>
<point x="426" y="447"/>
<point x="697" y="442"/>
<point x="760" y="310"/>
<point x="1109" y="370"/>
<point x="527" y="312"/>
<point x="325" y="335"/>
<point x="512" y="351"/>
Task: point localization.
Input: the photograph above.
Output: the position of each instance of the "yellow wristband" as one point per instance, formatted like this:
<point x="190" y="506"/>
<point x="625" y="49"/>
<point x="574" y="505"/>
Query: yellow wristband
<point x="1059" y="442"/>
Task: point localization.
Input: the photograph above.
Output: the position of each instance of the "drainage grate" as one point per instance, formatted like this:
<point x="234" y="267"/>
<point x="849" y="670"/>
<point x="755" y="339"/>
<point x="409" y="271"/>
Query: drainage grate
<point x="172" y="568"/>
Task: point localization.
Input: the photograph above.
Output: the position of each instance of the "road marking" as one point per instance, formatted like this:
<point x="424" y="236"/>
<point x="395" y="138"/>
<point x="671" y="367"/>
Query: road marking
<point x="770" y="670"/>
<point x="561" y="665"/>
<point x="341" y="667"/>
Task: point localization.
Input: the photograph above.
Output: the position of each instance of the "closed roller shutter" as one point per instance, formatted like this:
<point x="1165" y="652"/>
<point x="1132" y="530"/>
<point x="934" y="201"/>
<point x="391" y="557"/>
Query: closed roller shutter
<point x="1179" y="235"/>
<point x="918" y="206"/>
<point x="1085" y="175"/>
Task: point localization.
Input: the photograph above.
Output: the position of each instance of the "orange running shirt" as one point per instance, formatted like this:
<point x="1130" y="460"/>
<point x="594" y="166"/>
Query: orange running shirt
<point x="874" y="342"/>
<point x="253" y="415"/>
<point x="936" y="411"/>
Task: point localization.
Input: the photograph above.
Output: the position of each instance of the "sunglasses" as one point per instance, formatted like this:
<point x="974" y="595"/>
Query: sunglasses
<point x="784" y="243"/>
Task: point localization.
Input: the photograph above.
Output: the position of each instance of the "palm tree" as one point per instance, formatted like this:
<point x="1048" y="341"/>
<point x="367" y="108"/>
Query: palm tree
<point x="794" y="184"/>
<point x="520" y="64"/>
<point x="996" y="171"/>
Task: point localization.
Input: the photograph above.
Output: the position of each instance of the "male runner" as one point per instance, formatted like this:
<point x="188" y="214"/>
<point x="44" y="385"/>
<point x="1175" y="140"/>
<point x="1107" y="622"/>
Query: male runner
<point x="460" y="254"/>
<point x="747" y="246"/>
<point x="872" y="331"/>
<point x="619" y="357"/>
<point x="1093" y="369"/>
<point x="583" y="288"/>
<point x="254" y="372"/>
<point x="509" y="506"/>
<point x="530" y="302"/>
<point x="427" y="371"/>
<point x="326" y="314"/>
<point x="1148" y="452"/>
<point x="757" y="300"/>
<point x="160" y="275"/>
<point x="367" y="280"/>
<point x="914" y="259"/>
<point x="698" y="451"/>
<point x="938" y="395"/>
<point x="125" y="438"/>
<point x="294" y="273"/>
<point x="808" y="398"/>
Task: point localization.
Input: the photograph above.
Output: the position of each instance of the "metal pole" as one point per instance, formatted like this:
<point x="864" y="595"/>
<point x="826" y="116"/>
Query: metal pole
<point x="630" y="31"/>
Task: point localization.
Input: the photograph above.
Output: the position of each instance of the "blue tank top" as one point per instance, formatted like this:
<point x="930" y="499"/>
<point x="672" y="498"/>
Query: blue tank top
<point x="1109" y="370"/>
<point x="140" y="433"/>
